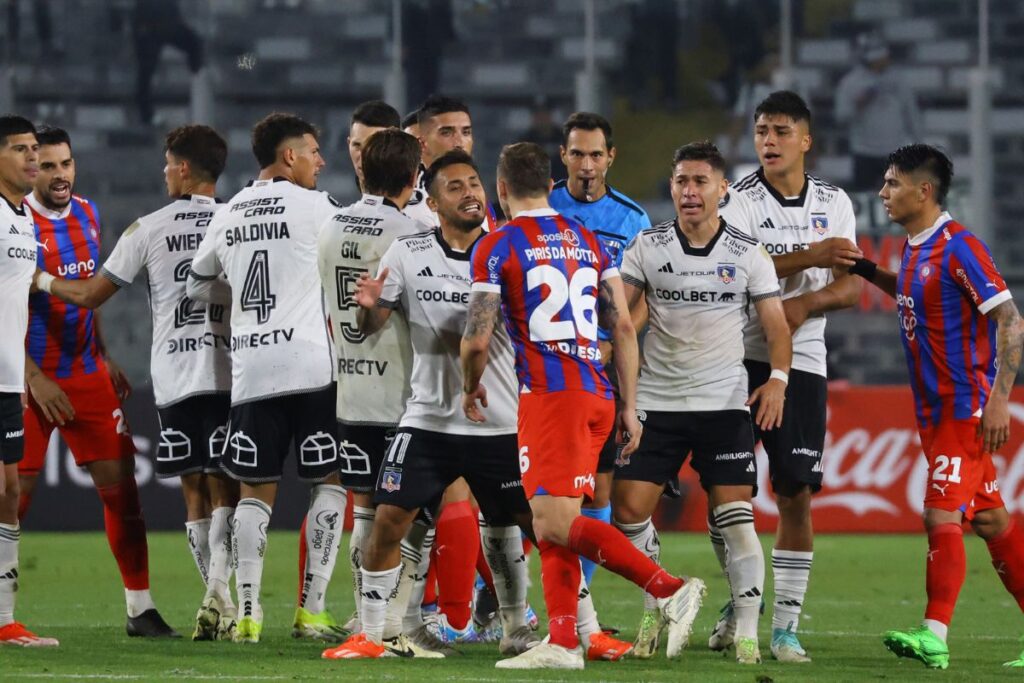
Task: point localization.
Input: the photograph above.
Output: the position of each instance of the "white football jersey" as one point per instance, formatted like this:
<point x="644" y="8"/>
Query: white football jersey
<point x="373" y="370"/>
<point x="430" y="283"/>
<point x="698" y="299"/>
<point x="784" y="225"/>
<point x="191" y="352"/>
<point x="264" y="240"/>
<point x="17" y="265"/>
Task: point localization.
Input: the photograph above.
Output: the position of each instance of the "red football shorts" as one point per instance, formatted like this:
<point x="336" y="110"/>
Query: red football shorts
<point x="98" y="432"/>
<point x="560" y="437"/>
<point x="961" y="475"/>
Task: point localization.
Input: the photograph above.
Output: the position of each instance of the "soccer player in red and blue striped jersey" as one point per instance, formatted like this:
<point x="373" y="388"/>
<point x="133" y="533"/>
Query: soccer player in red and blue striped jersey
<point x="963" y="339"/>
<point x="73" y="387"/>
<point x="555" y="284"/>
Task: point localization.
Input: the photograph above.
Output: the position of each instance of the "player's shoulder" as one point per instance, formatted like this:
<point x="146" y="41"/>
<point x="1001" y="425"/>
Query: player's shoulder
<point x="736" y="238"/>
<point x="749" y="185"/>
<point x="960" y="236"/>
<point x="827" y="193"/>
<point x="83" y="201"/>
<point x="416" y="242"/>
<point x="657" y="235"/>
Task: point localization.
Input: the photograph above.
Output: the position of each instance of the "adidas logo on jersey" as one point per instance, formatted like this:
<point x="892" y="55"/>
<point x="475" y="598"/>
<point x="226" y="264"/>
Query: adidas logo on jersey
<point x="426" y="272"/>
<point x="667" y="268"/>
<point x="767" y="225"/>
<point x="14" y="231"/>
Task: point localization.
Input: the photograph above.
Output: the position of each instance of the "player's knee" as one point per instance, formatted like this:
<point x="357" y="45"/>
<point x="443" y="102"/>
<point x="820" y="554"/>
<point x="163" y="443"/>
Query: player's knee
<point x="793" y="500"/>
<point x="989" y="524"/>
<point x="550" y="529"/>
<point x="390" y="525"/>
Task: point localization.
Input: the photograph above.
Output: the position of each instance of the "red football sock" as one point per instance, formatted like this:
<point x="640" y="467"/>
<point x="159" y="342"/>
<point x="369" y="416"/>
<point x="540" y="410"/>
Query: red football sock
<point x="560" y="576"/>
<point x="126" y="532"/>
<point x="484" y="570"/>
<point x="527" y="547"/>
<point x="608" y="547"/>
<point x="1007" y="551"/>
<point x="302" y="560"/>
<point x="946" y="569"/>
<point x="430" y="589"/>
<point x="458" y="542"/>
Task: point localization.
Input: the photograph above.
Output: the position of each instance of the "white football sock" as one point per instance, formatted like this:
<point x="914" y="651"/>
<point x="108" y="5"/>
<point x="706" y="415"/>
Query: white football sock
<point x="377" y="590"/>
<point x="503" y="550"/>
<point x="792" y="571"/>
<point x="937" y="627"/>
<point x="413" y="611"/>
<point x="10" y="534"/>
<point x="586" y="615"/>
<point x="138" y="602"/>
<point x="398" y="607"/>
<point x="644" y="538"/>
<point x="362" y="525"/>
<point x="249" y="544"/>
<point x="199" y="545"/>
<point x="735" y="522"/>
<point x="220" y="554"/>
<point x="718" y="545"/>
<point x="324" y="521"/>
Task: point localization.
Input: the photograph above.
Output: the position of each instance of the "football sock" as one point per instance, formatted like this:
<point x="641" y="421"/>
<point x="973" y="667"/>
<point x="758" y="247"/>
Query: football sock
<point x="126" y="532"/>
<point x="220" y="553"/>
<point x="735" y="522"/>
<point x="607" y="546"/>
<point x="791" y="570"/>
<point x="9" y="536"/>
<point x="586" y="615"/>
<point x="324" y="521"/>
<point x="413" y="610"/>
<point x="302" y="562"/>
<point x="429" y="593"/>
<point x="503" y="547"/>
<point x="1007" y="551"/>
<point x="644" y="538"/>
<point x="249" y="543"/>
<point x="402" y="604"/>
<point x="362" y="525"/>
<point x="602" y="515"/>
<point x="560" y="575"/>
<point x="199" y="545"/>
<point x="377" y="588"/>
<point x="717" y="544"/>
<point x="945" y="571"/>
<point x="458" y="543"/>
<point x="483" y="570"/>
<point x="937" y="627"/>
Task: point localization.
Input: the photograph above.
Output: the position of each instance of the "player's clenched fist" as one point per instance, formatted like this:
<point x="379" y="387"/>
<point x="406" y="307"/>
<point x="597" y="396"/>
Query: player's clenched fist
<point x="770" y="398"/>
<point x="368" y="288"/>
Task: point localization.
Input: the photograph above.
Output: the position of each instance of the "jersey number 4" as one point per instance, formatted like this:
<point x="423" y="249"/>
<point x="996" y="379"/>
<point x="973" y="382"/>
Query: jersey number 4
<point x="256" y="295"/>
<point x="544" y="326"/>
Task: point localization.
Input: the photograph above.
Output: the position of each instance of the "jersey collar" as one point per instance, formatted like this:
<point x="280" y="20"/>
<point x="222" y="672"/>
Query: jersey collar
<point x="454" y="254"/>
<point x="20" y="210"/>
<point x="698" y="251"/>
<point x="49" y="214"/>
<point x="378" y="199"/>
<point x="925" y="235"/>
<point x="784" y="201"/>
<point x="537" y="213"/>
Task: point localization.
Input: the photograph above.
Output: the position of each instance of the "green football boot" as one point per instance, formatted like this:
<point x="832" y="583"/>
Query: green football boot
<point x="918" y="643"/>
<point x="321" y="626"/>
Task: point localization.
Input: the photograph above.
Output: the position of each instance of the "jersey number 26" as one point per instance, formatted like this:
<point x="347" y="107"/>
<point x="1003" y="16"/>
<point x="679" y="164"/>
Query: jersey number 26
<point x="546" y="323"/>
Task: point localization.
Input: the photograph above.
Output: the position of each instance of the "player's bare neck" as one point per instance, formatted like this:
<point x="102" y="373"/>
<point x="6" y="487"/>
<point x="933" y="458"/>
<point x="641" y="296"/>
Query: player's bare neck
<point x="923" y="220"/>
<point x="460" y="240"/>
<point x="276" y="170"/>
<point x="788" y="183"/>
<point x="49" y="206"/>
<point x="13" y="196"/>
<point x="701" y="233"/>
<point x="586" y="192"/>
<point x="517" y="205"/>
<point x="200" y="189"/>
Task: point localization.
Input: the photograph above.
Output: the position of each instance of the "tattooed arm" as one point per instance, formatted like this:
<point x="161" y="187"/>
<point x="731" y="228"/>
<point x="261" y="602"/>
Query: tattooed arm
<point x="613" y="315"/>
<point x="995" y="418"/>
<point x="484" y="311"/>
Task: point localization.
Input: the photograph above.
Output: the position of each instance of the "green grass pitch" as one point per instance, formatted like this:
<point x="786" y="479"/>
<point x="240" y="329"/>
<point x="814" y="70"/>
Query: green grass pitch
<point x="861" y="586"/>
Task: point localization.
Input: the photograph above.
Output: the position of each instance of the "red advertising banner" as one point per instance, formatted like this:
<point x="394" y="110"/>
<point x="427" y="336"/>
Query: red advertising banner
<point x="875" y="472"/>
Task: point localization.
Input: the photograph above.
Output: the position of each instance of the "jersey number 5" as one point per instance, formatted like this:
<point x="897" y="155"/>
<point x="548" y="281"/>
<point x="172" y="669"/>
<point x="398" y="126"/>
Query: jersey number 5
<point x="543" y="324"/>
<point x="345" y="279"/>
<point x="256" y="295"/>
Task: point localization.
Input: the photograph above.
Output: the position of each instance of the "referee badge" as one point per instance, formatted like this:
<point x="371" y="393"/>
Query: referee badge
<point x="819" y="223"/>
<point x="727" y="272"/>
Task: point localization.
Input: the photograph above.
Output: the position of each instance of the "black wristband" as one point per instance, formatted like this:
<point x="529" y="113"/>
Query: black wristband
<point x="866" y="268"/>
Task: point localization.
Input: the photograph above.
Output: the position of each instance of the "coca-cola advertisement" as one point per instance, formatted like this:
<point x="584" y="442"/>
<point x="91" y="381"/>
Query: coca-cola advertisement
<point x="874" y="470"/>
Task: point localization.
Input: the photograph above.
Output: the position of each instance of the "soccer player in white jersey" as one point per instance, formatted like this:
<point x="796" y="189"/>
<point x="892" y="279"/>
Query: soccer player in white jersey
<point x="190" y="361"/>
<point x="427" y="277"/>
<point x="282" y="361"/>
<point x="19" y="166"/>
<point x="808" y="227"/>
<point x="373" y="369"/>
<point x="696" y="275"/>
